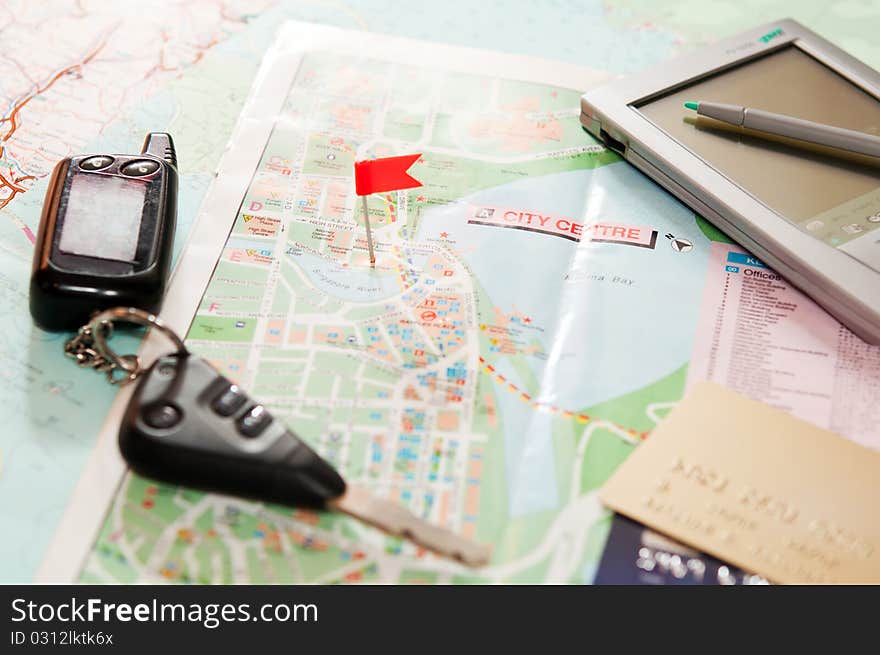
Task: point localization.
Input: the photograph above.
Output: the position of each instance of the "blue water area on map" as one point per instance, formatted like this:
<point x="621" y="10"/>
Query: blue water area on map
<point x="350" y="284"/>
<point x="615" y="317"/>
<point x="520" y="270"/>
<point x="528" y="451"/>
<point x="615" y="337"/>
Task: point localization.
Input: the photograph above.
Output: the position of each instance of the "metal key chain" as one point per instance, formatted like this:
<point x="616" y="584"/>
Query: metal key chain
<point x="90" y="350"/>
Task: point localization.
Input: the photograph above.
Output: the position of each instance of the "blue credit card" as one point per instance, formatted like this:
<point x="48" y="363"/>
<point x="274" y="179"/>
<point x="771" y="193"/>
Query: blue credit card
<point x="635" y="555"/>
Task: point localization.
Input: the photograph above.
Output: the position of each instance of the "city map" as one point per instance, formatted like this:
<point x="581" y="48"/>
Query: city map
<point x="429" y="380"/>
<point x="497" y="424"/>
<point x="490" y="372"/>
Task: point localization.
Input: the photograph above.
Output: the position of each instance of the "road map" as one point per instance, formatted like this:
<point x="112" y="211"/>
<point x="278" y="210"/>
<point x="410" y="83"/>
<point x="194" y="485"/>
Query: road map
<point x="101" y="78"/>
<point x="426" y="378"/>
<point x="106" y="73"/>
<point x="490" y="373"/>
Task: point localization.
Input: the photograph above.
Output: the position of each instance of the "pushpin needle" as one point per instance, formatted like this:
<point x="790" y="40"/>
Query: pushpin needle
<point x="369" y="233"/>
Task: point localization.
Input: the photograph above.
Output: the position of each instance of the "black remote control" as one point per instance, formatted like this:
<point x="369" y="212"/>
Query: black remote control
<point x="80" y="264"/>
<point x="187" y="424"/>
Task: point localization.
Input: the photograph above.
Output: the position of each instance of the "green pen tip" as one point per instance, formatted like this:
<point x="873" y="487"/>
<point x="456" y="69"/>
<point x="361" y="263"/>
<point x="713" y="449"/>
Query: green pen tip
<point x="692" y="105"/>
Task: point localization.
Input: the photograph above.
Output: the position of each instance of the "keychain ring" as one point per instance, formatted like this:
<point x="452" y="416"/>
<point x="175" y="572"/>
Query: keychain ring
<point x="129" y="363"/>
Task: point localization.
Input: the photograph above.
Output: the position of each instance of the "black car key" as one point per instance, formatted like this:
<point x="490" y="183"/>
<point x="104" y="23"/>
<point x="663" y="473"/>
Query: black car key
<point x="187" y="424"/>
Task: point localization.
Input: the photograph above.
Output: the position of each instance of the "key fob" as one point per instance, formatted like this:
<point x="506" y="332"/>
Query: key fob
<point x="189" y="425"/>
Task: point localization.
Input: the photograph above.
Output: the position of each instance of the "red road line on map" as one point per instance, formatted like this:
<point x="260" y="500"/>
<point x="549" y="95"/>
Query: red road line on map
<point x="489" y="370"/>
<point x="12" y="119"/>
<point x="13" y="115"/>
<point x="15" y="190"/>
<point x="10" y="185"/>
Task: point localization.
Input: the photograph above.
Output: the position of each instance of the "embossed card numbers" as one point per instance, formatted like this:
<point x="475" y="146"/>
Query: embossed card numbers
<point x="757" y="488"/>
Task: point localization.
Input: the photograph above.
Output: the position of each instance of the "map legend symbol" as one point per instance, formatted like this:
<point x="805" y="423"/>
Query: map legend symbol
<point x="679" y="245"/>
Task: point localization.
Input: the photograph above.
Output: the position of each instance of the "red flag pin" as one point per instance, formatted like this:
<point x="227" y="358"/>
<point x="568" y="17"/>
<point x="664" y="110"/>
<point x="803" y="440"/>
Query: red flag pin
<point x="379" y="175"/>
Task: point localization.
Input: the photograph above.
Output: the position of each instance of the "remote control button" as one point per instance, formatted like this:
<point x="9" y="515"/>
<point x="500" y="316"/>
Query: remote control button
<point x="254" y="421"/>
<point x="140" y="167"/>
<point x="96" y="163"/>
<point x="229" y="401"/>
<point x="162" y="416"/>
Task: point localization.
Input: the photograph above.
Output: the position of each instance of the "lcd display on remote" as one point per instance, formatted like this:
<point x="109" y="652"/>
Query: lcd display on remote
<point x="830" y="194"/>
<point x="103" y="217"/>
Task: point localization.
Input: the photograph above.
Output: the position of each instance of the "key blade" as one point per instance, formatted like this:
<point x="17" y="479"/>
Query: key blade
<point x="398" y="521"/>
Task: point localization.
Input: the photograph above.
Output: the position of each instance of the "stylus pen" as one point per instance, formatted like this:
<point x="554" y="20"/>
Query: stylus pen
<point x="791" y="127"/>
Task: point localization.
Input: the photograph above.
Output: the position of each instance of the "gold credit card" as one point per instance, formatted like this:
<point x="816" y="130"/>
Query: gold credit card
<point x="757" y="488"/>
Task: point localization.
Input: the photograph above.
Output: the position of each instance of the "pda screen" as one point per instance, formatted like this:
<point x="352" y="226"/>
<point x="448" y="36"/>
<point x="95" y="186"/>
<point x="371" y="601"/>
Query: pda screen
<point x="828" y="193"/>
<point x="103" y="217"/>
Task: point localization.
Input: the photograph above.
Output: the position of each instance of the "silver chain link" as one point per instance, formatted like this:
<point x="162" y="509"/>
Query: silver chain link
<point x="81" y="348"/>
<point x="89" y="348"/>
